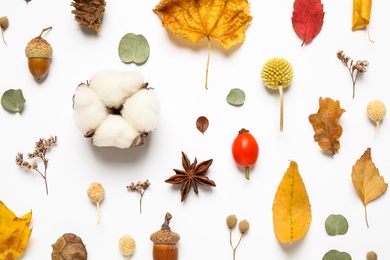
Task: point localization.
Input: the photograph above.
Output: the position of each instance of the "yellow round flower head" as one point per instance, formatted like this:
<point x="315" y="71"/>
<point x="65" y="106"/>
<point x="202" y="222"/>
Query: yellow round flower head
<point x="277" y="73"/>
<point x="376" y="111"/>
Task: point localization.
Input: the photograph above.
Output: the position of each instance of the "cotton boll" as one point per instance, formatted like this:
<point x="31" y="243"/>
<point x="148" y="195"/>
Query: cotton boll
<point x="115" y="86"/>
<point x="89" y="110"/>
<point x="141" y="110"/>
<point x="114" y="131"/>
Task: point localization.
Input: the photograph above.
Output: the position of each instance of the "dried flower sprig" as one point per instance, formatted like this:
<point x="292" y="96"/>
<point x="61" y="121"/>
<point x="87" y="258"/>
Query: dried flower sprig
<point x="141" y="188"/>
<point x="354" y="68"/>
<point x="243" y="226"/>
<point x="41" y="147"/>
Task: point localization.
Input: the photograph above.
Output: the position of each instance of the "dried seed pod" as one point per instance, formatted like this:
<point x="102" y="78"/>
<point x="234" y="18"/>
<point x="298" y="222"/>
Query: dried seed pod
<point x="376" y="111"/>
<point x="96" y="193"/>
<point x="127" y="246"/>
<point x="89" y="13"/>
<point x="231" y="221"/>
<point x="39" y="53"/>
<point x="69" y="247"/>
<point x="243" y="226"/>
<point x="165" y="242"/>
<point x="4" y="22"/>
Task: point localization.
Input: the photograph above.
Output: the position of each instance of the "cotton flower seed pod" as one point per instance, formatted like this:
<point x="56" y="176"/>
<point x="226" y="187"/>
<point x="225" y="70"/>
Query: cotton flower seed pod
<point x="277" y="73"/>
<point x="376" y="111"/>
<point x="127" y="246"/>
<point x="96" y="194"/>
<point x="116" y="109"/>
<point x="39" y="53"/>
<point x="69" y="247"/>
<point x="165" y="242"/>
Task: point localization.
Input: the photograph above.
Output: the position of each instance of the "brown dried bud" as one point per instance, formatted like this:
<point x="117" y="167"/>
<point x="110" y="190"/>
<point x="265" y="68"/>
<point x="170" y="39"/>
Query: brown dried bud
<point x="243" y="226"/>
<point x="231" y="221"/>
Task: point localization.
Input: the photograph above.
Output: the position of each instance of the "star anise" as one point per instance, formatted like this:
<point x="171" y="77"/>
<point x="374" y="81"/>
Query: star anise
<point x="192" y="175"/>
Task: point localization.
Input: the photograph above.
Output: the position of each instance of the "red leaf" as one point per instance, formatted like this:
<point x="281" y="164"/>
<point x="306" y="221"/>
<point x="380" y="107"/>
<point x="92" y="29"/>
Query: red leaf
<point x="307" y="19"/>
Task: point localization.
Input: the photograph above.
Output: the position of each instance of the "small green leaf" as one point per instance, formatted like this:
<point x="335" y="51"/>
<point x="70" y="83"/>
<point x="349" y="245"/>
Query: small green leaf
<point x="133" y="48"/>
<point x="236" y="97"/>
<point x="336" y="255"/>
<point x="336" y="225"/>
<point x="13" y="100"/>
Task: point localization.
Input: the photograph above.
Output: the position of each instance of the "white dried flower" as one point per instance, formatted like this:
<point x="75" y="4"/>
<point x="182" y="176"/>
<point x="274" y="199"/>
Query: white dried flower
<point x="116" y="109"/>
<point x="141" y="110"/>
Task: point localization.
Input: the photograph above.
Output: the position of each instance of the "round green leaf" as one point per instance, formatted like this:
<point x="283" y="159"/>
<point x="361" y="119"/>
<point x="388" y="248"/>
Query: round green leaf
<point x="236" y="97"/>
<point x="336" y="255"/>
<point x="13" y="100"/>
<point x="336" y="225"/>
<point x="133" y="48"/>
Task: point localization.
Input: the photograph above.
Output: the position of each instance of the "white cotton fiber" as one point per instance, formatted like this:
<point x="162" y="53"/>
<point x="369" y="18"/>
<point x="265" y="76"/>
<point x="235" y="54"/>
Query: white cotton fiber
<point x="115" y="86"/>
<point x="89" y="110"/>
<point x="114" y="131"/>
<point x="141" y="110"/>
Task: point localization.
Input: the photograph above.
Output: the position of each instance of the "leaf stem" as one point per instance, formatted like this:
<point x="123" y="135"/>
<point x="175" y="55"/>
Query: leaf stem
<point x="365" y="214"/>
<point x="208" y="62"/>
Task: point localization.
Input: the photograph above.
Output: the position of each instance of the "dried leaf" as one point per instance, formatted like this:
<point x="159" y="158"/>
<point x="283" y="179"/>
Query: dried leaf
<point x="327" y="130"/>
<point x="336" y="225"/>
<point x="13" y="100"/>
<point x="336" y="255"/>
<point x="367" y="181"/>
<point x="133" y="48"/>
<point x="202" y="123"/>
<point x="307" y="19"/>
<point x="291" y="208"/>
<point x="14" y="233"/>
<point x="361" y="14"/>
<point x="223" y="20"/>
<point x="236" y="97"/>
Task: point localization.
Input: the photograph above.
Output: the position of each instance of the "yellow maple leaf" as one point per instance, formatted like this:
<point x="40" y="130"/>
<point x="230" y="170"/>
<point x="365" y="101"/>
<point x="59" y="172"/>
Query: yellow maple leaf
<point x="361" y="14"/>
<point x="367" y="181"/>
<point x="223" y="20"/>
<point x="291" y="208"/>
<point x="14" y="233"/>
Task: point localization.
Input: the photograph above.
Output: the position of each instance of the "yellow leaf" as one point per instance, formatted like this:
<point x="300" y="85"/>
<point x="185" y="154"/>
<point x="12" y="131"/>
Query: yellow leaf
<point x="14" y="233"/>
<point x="367" y="181"/>
<point x="361" y="14"/>
<point x="223" y="20"/>
<point x="291" y="208"/>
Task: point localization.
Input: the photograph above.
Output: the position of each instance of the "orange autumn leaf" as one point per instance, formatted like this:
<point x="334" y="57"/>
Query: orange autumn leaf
<point x="324" y="122"/>
<point x="367" y="181"/>
<point x="361" y="14"/>
<point x="291" y="208"/>
<point x="223" y="20"/>
<point x="14" y="233"/>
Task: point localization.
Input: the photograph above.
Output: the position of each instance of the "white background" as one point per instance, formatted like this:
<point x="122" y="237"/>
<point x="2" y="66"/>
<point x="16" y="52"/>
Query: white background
<point x="176" y="69"/>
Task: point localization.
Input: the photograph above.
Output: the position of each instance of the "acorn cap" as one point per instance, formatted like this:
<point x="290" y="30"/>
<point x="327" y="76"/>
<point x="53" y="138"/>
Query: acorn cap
<point x="165" y="237"/>
<point x="39" y="48"/>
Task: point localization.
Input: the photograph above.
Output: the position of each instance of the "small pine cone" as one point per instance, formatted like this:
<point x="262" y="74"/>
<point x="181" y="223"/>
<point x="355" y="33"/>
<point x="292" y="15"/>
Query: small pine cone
<point x="89" y="13"/>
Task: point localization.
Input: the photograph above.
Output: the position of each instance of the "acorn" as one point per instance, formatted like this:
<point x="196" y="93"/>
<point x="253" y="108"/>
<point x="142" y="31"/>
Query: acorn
<point x="69" y="247"/>
<point x="165" y="242"/>
<point x="39" y="53"/>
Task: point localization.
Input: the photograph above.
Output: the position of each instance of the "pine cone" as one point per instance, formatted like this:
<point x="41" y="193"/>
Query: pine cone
<point x="89" y="13"/>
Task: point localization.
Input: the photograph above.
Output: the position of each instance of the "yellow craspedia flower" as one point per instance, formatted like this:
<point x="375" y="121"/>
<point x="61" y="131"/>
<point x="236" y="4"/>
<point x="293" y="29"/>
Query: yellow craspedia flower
<point x="276" y="73"/>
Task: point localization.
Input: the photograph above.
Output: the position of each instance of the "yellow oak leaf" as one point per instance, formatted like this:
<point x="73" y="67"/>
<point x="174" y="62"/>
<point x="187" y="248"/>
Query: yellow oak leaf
<point x="326" y="126"/>
<point x="14" y="233"/>
<point x="223" y="20"/>
<point x="367" y="181"/>
<point x="291" y="208"/>
<point x="361" y="14"/>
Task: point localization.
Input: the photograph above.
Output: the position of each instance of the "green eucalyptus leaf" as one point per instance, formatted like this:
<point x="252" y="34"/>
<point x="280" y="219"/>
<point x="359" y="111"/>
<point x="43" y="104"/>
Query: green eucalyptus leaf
<point x="336" y="225"/>
<point x="133" y="48"/>
<point x="336" y="255"/>
<point x="13" y="100"/>
<point x="236" y="97"/>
